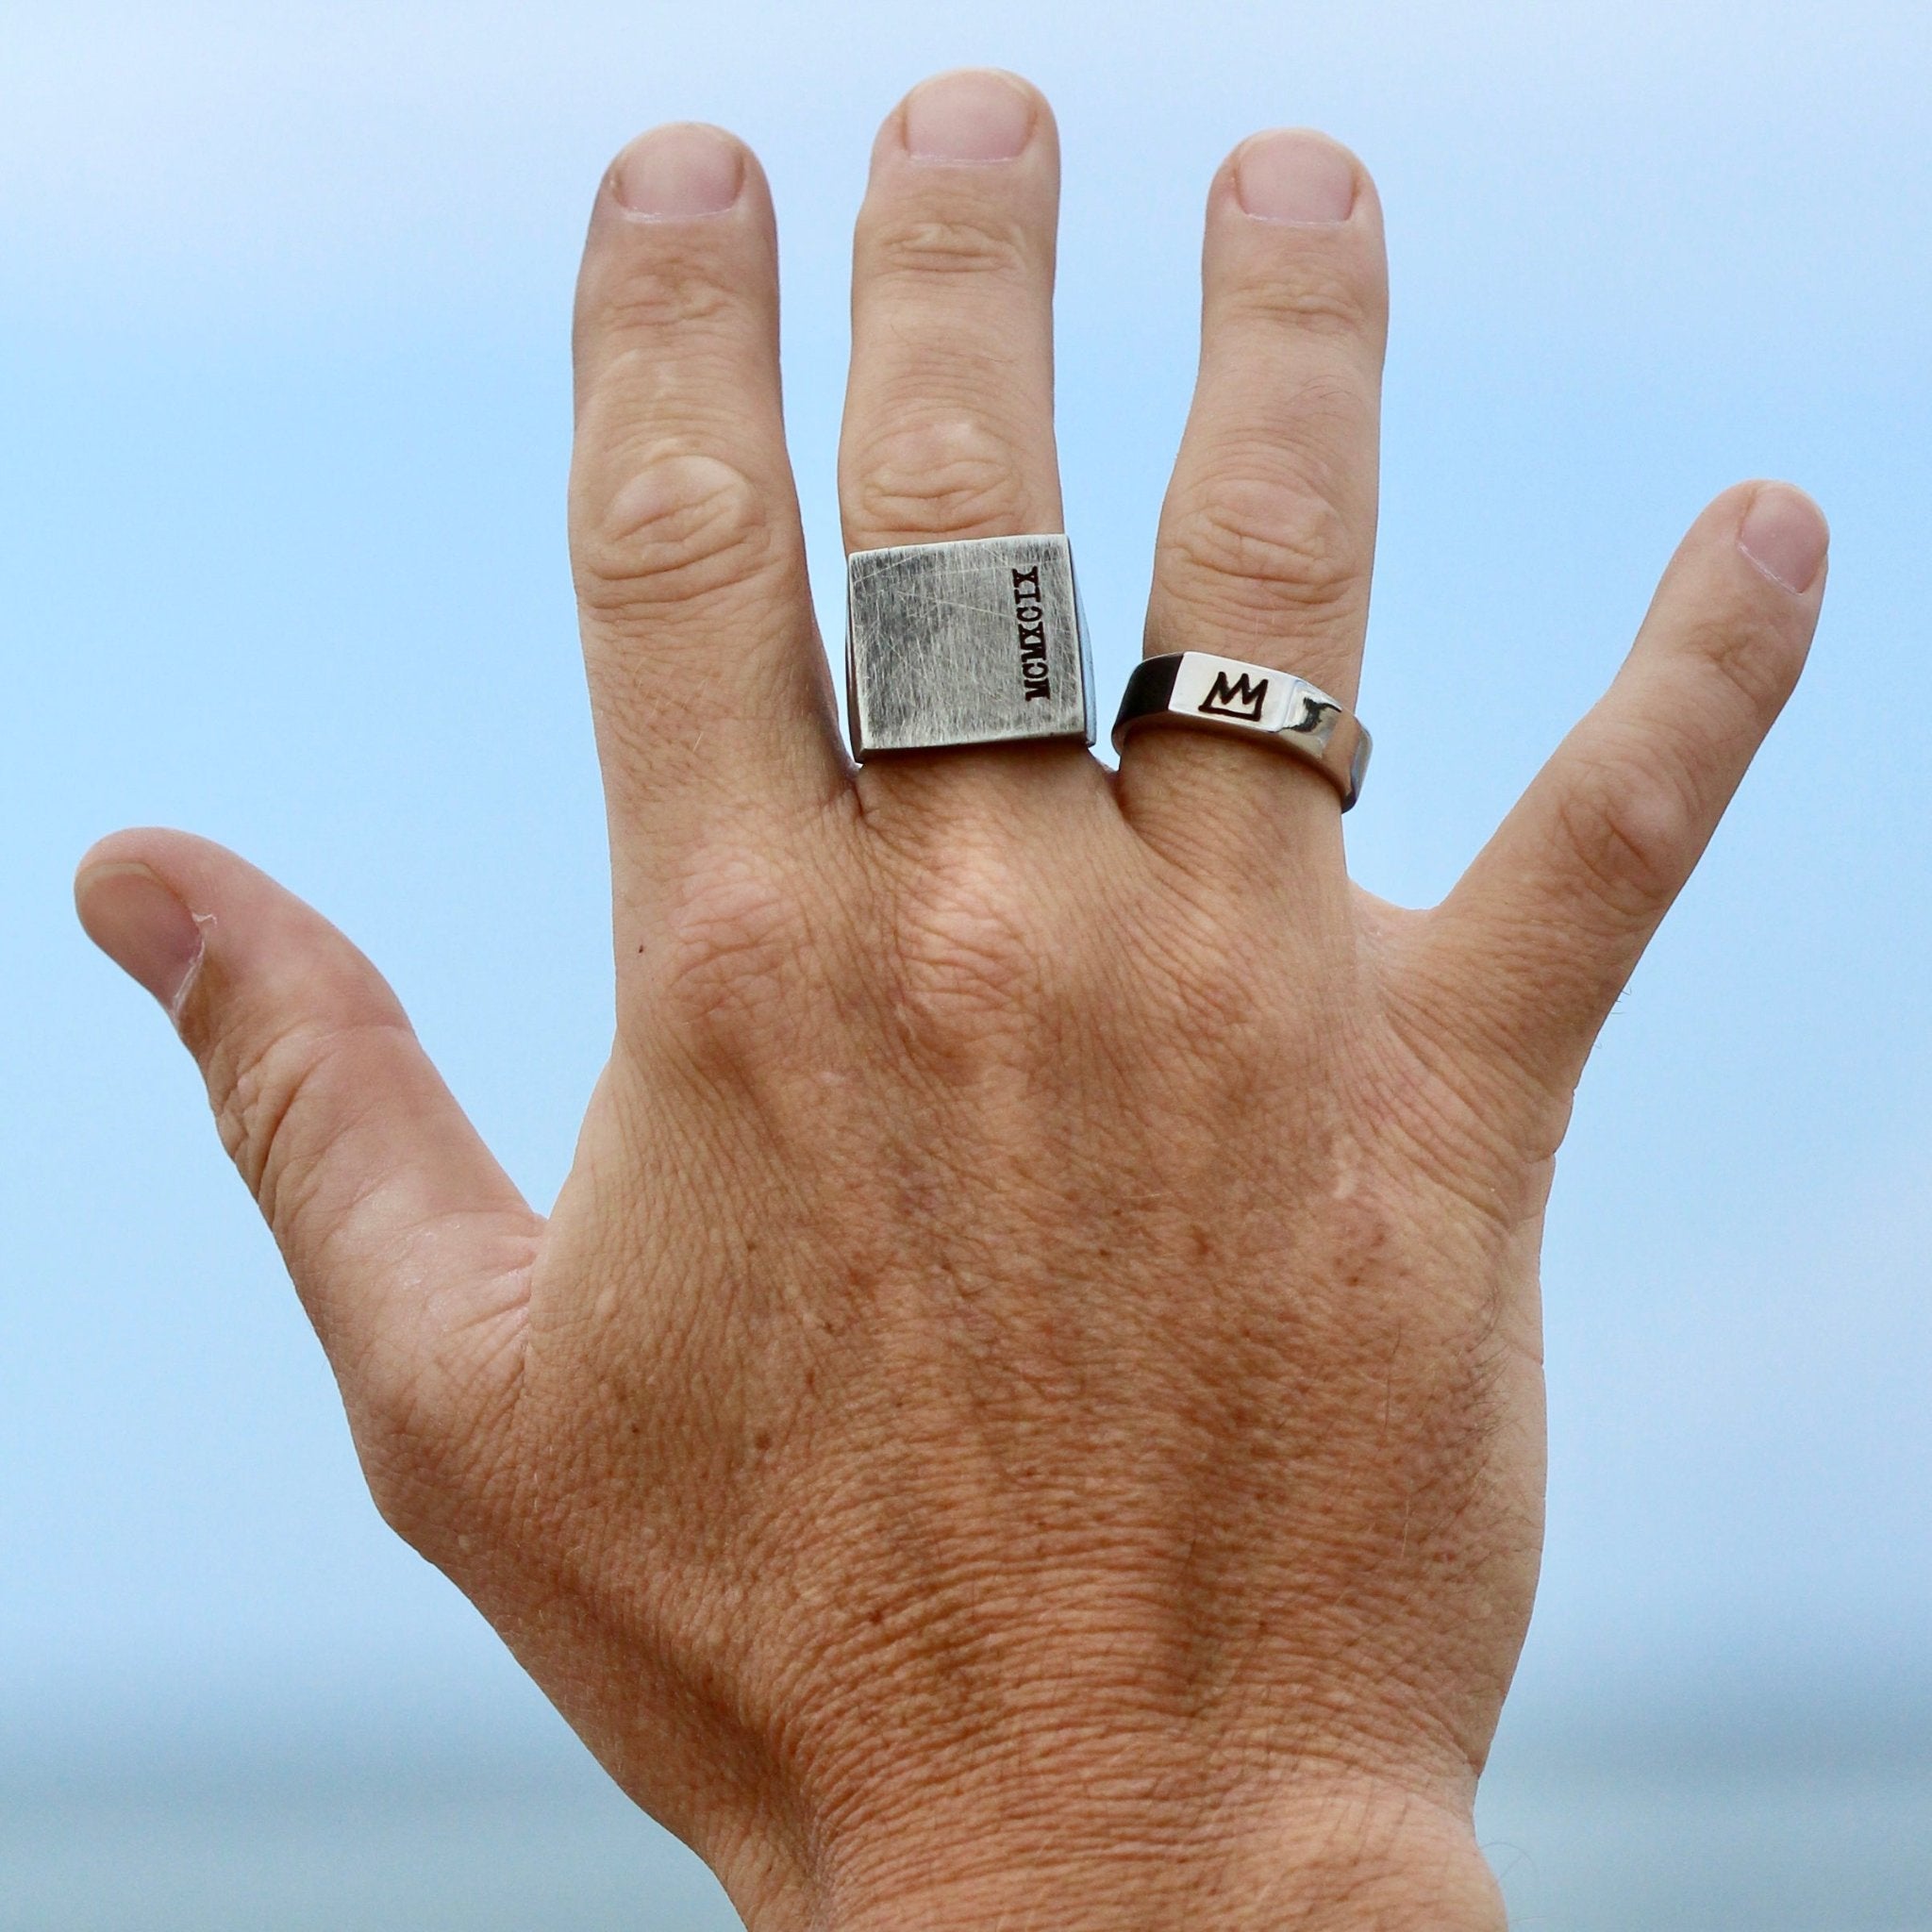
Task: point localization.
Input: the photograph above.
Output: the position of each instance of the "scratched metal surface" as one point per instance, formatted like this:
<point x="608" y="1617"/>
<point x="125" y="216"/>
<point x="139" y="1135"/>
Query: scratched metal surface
<point x="933" y="646"/>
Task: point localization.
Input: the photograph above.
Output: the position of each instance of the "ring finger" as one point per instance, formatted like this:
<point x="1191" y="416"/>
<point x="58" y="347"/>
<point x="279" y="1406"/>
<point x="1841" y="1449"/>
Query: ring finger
<point x="1268" y="533"/>
<point x="948" y="430"/>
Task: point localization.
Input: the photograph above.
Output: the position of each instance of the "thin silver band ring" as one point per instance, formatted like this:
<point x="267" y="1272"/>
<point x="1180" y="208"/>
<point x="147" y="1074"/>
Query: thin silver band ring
<point x="1202" y="692"/>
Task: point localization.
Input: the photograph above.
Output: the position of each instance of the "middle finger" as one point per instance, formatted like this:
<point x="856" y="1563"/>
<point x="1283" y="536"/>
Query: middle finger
<point x="948" y="431"/>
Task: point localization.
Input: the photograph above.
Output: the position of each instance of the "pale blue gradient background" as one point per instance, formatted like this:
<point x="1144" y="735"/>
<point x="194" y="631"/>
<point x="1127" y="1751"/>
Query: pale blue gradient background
<point x="284" y="415"/>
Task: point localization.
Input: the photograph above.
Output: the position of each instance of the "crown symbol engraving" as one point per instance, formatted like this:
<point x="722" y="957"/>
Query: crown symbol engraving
<point x="1241" y="699"/>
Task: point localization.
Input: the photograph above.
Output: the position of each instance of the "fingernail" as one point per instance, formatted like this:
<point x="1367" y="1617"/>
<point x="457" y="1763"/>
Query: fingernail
<point x="142" y="926"/>
<point x="679" y="173"/>
<point x="1784" y="533"/>
<point x="974" y="115"/>
<point x="1295" y="176"/>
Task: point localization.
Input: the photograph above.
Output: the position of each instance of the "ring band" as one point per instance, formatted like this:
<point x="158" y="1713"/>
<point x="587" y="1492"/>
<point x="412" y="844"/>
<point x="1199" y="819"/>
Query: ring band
<point x="1209" y="693"/>
<point x="979" y="641"/>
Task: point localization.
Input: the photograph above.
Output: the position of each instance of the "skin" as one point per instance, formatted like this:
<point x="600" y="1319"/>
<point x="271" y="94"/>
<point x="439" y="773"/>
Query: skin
<point x="1028" y="1409"/>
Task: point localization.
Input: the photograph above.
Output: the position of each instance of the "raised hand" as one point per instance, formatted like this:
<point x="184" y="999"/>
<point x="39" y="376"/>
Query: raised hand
<point x="1027" y="1411"/>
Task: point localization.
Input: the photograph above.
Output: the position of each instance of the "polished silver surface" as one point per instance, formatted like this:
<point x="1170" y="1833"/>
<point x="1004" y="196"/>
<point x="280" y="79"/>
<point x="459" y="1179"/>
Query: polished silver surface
<point x="1208" y="694"/>
<point x="973" y="642"/>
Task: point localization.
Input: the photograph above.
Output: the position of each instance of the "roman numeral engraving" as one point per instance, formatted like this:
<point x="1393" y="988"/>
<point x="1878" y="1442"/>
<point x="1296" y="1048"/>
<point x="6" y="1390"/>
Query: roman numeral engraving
<point x="1030" y="615"/>
<point x="1241" y="699"/>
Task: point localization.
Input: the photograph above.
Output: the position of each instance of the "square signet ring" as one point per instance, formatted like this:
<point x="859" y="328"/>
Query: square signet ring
<point x="980" y="641"/>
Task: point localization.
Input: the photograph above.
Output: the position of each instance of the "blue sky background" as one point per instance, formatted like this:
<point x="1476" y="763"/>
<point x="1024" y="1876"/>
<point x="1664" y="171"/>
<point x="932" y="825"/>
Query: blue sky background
<point x="283" y="427"/>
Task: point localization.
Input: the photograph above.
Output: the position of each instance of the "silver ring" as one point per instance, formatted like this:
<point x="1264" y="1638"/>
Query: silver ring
<point x="976" y="643"/>
<point x="1209" y="693"/>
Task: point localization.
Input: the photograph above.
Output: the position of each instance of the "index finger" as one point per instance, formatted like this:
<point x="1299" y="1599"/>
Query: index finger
<point x="710" y="693"/>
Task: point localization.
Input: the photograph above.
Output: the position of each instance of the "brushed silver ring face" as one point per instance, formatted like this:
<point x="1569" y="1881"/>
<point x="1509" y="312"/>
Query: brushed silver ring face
<point x="1202" y="692"/>
<point x="980" y="641"/>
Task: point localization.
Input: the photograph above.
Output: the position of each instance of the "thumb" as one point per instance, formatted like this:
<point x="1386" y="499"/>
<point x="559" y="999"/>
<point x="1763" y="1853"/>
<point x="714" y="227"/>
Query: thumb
<point x="408" y="1244"/>
<point x="1548" y="924"/>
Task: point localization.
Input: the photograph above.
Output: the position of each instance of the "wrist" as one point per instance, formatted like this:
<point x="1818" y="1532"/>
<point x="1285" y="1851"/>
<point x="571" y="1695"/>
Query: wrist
<point x="1363" y="1860"/>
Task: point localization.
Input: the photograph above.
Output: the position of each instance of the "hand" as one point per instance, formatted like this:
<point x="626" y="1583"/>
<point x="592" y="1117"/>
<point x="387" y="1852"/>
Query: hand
<point x="1027" y="1409"/>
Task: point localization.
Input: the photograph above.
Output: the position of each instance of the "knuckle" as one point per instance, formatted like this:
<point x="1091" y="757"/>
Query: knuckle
<point x="430" y="1440"/>
<point x="1203" y="988"/>
<point x="431" y="1433"/>
<point x="672" y="291"/>
<point x="1213" y="995"/>
<point x="1761" y="669"/>
<point x="1266" y="535"/>
<point x="1321" y="294"/>
<point x="733" y="946"/>
<point x="403" y="1466"/>
<point x="937" y="478"/>
<point x="968" y="956"/>
<point x="681" y="526"/>
<point x="265" y="1091"/>
<point x="256" y="1088"/>
<point x="1627" y="827"/>
<point x="963" y="243"/>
